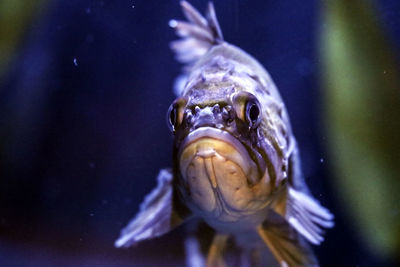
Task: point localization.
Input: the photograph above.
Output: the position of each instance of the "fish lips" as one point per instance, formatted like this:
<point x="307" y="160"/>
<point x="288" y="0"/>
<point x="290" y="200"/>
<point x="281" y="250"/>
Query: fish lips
<point x="209" y="142"/>
<point x="217" y="170"/>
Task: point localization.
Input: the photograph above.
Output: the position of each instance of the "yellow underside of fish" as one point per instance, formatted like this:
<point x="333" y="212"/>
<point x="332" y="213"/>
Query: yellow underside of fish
<point x="216" y="174"/>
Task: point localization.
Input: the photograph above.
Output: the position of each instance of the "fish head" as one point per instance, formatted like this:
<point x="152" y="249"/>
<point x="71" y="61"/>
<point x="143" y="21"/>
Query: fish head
<point x="219" y="159"/>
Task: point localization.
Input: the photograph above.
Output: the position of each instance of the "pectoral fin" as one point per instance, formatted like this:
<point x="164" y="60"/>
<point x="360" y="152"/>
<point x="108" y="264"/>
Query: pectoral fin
<point x="159" y="213"/>
<point x="285" y="243"/>
<point x="307" y="216"/>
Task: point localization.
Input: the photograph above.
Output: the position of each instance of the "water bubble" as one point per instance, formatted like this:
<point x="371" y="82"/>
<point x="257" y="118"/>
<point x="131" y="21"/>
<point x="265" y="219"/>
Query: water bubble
<point x="321" y="160"/>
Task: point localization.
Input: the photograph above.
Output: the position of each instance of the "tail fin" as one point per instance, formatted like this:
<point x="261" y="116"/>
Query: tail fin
<point x="198" y="35"/>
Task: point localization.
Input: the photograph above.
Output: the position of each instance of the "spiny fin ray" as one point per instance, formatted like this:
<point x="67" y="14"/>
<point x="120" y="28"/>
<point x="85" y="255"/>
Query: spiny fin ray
<point x="203" y="32"/>
<point x="307" y="216"/>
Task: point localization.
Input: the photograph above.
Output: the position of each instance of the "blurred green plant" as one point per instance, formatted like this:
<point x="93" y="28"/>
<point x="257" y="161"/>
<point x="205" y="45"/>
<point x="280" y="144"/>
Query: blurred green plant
<point x="362" y="108"/>
<point x="16" y="17"/>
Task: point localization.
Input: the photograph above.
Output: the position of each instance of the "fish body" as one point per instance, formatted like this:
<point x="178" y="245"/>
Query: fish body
<point x="220" y="141"/>
<point x="235" y="158"/>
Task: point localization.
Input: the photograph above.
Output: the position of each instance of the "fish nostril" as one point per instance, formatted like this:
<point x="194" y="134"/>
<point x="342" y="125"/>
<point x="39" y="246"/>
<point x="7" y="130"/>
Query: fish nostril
<point x="216" y="109"/>
<point x="227" y="114"/>
<point x="204" y="117"/>
<point x="189" y="117"/>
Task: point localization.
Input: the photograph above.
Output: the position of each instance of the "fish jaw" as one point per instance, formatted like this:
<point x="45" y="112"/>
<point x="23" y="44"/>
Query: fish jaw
<point x="218" y="176"/>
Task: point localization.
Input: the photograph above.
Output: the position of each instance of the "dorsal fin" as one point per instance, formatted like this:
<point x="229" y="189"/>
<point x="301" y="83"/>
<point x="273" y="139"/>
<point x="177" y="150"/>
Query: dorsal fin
<point x="198" y="34"/>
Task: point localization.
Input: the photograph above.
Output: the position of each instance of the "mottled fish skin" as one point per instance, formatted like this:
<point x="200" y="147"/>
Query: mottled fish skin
<point x="227" y="66"/>
<point x="235" y="159"/>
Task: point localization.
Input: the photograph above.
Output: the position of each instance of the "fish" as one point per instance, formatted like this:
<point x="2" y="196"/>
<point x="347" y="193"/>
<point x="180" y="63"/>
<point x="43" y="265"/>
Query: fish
<point x="235" y="160"/>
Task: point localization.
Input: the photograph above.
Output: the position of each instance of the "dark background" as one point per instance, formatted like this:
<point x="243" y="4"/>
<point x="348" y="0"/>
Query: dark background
<point x="83" y="132"/>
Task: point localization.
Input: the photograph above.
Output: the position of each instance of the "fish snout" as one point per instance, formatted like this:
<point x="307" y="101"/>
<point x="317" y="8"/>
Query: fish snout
<point x="209" y="116"/>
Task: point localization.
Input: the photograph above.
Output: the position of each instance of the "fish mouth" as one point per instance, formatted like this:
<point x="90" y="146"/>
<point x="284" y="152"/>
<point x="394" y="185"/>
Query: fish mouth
<point x="208" y="142"/>
<point x="218" y="170"/>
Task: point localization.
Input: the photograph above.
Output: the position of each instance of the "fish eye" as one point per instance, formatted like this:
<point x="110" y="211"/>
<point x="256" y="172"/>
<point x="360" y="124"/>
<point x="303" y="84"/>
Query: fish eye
<point x="247" y="108"/>
<point x="175" y="113"/>
<point x="252" y="113"/>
